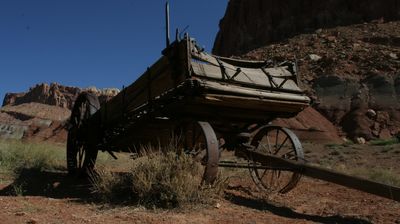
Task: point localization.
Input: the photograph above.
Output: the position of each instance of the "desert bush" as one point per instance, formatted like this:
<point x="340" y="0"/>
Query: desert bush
<point x="158" y="179"/>
<point x="15" y="156"/>
<point x="381" y="142"/>
<point x="111" y="187"/>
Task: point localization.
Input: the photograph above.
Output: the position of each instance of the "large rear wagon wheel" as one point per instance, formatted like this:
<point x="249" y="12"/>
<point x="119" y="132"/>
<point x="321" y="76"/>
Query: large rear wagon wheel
<point x="81" y="151"/>
<point x="200" y="141"/>
<point x="281" y="142"/>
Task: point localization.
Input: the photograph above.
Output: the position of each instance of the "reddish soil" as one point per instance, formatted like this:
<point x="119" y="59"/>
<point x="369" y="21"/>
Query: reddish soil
<point x="310" y="125"/>
<point x="52" y="197"/>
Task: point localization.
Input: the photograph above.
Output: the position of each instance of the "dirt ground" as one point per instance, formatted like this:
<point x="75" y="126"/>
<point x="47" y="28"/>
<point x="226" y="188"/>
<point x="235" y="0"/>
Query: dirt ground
<point x="52" y="197"/>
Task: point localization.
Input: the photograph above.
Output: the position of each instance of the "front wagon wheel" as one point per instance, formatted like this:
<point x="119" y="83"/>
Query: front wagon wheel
<point x="81" y="153"/>
<point x="281" y="142"/>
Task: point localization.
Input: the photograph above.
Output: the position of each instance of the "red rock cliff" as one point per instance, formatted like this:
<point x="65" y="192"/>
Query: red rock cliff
<point x="251" y="24"/>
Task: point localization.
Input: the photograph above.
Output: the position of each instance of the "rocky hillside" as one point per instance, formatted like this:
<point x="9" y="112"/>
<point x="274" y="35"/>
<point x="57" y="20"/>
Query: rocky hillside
<point x="40" y="114"/>
<point x="248" y="25"/>
<point x="351" y="72"/>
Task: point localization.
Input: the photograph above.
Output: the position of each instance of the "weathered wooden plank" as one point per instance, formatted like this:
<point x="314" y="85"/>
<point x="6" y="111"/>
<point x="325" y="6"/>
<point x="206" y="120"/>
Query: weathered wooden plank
<point x="251" y="103"/>
<point x="231" y="89"/>
<point x="168" y="72"/>
<point x="158" y="79"/>
<point x="277" y="77"/>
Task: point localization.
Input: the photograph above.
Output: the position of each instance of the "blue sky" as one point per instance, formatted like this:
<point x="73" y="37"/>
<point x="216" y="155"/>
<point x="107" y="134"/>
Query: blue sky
<point x="100" y="43"/>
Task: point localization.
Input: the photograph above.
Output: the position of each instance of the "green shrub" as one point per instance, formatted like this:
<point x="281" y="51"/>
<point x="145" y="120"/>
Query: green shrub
<point x="380" y="142"/>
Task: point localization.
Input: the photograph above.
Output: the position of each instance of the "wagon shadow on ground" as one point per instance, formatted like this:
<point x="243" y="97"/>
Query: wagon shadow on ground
<point x="51" y="184"/>
<point x="283" y="211"/>
<point x="59" y="185"/>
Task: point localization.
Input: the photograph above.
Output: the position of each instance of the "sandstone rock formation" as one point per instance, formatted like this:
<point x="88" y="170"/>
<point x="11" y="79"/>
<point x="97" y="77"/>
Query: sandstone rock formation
<point x="56" y="95"/>
<point x="41" y="113"/>
<point x="248" y="25"/>
<point x="52" y="94"/>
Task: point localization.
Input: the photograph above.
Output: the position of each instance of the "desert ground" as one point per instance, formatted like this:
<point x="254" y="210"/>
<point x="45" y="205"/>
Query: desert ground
<point x="51" y="196"/>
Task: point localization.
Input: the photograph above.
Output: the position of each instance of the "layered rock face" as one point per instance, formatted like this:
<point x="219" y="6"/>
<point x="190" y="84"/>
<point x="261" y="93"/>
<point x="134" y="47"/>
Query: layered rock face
<point x="367" y="108"/>
<point x="41" y="113"/>
<point x="251" y="24"/>
<point x="53" y="94"/>
<point x="56" y="95"/>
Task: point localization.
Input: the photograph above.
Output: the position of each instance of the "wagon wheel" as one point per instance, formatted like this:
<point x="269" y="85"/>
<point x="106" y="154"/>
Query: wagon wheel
<point x="280" y="142"/>
<point x="81" y="154"/>
<point x="200" y="141"/>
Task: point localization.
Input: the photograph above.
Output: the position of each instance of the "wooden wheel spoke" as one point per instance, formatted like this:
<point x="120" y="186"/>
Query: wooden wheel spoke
<point x="277" y="151"/>
<point x="269" y="145"/>
<point x="262" y="176"/>
<point x="272" y="178"/>
<point x="80" y="157"/>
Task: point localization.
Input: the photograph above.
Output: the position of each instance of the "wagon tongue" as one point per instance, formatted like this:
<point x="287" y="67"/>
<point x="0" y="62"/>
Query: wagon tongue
<point x="278" y="163"/>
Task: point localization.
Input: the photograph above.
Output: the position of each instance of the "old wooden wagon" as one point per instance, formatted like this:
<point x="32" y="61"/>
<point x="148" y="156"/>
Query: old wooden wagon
<point x="212" y="104"/>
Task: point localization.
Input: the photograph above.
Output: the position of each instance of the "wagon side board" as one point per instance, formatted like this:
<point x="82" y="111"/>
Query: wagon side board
<point x="167" y="73"/>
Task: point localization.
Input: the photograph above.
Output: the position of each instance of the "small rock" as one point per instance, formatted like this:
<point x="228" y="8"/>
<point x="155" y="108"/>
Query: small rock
<point x="218" y="205"/>
<point x="385" y="134"/>
<point x="377" y="126"/>
<point x="356" y="45"/>
<point x="56" y="184"/>
<point x="32" y="221"/>
<point x="20" y="214"/>
<point x="375" y="133"/>
<point x="371" y="113"/>
<point x="360" y="140"/>
<point x="331" y="38"/>
<point x="393" y="56"/>
<point x="314" y="57"/>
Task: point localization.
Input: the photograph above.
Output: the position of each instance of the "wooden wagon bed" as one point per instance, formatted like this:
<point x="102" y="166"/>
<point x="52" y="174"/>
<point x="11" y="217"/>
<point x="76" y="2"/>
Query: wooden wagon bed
<point x="203" y="85"/>
<point x="187" y="83"/>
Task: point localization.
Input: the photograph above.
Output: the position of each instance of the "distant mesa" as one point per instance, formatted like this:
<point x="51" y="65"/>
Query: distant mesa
<point x="41" y="113"/>
<point x="56" y="95"/>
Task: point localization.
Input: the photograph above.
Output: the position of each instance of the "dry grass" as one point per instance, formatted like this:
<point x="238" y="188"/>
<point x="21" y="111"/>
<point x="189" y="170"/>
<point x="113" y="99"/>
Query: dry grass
<point x="15" y="156"/>
<point x="378" y="174"/>
<point x="158" y="179"/>
<point x="384" y="176"/>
